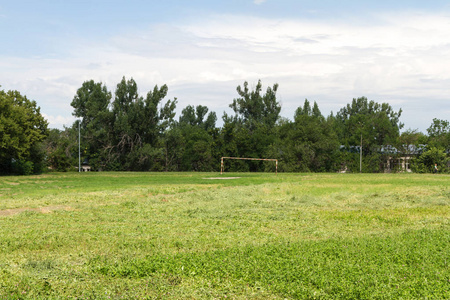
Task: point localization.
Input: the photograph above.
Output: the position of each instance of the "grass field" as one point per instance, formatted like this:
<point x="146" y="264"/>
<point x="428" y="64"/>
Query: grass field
<point x="201" y="236"/>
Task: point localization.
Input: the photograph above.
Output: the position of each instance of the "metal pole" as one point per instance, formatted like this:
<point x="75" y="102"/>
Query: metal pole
<point x="360" y="156"/>
<point x="79" y="146"/>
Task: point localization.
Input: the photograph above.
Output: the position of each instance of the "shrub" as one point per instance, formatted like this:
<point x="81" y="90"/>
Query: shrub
<point x="425" y="162"/>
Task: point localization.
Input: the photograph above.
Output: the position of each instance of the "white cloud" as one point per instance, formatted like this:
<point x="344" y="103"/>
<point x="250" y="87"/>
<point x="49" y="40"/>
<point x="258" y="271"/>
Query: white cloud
<point x="401" y="59"/>
<point x="258" y="2"/>
<point x="58" y="121"/>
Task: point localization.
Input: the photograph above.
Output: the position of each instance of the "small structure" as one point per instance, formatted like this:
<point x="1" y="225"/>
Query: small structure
<point x="399" y="160"/>
<point x="85" y="167"/>
<point x="394" y="159"/>
<point x="398" y="164"/>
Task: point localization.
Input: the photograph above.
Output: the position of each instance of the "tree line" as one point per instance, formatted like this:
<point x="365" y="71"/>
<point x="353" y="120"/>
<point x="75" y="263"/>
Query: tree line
<point x="126" y="131"/>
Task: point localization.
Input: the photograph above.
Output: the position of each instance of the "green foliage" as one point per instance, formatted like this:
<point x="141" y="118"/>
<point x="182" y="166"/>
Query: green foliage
<point x="438" y="128"/>
<point x="251" y="131"/>
<point x="253" y="109"/>
<point x="410" y="142"/>
<point x="137" y="133"/>
<point x="197" y="152"/>
<point x="173" y="144"/>
<point x="127" y="133"/>
<point x="368" y="124"/>
<point x="439" y="134"/>
<point x="196" y="117"/>
<point x="347" y="161"/>
<point x="22" y="129"/>
<point x="91" y="104"/>
<point x="377" y="123"/>
<point x="425" y="163"/>
<point x="309" y="144"/>
<point x="198" y="132"/>
<point x="22" y="167"/>
<point x="61" y="146"/>
<point x="350" y="162"/>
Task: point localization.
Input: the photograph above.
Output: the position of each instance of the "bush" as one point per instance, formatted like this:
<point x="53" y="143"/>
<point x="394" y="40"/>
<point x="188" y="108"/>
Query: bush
<point x="21" y="167"/>
<point x="425" y="162"/>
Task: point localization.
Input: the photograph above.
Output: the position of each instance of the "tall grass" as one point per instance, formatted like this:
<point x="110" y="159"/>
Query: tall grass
<point x="260" y="236"/>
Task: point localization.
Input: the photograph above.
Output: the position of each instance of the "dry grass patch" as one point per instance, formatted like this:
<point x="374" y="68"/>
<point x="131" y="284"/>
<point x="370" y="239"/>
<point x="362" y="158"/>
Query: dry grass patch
<point x="44" y="210"/>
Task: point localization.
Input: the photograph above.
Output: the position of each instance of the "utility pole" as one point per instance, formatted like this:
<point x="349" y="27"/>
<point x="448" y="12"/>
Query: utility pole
<point x="360" y="148"/>
<point x="79" y="146"/>
<point x="360" y="156"/>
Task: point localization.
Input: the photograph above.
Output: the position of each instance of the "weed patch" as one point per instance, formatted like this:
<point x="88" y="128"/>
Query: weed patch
<point x="412" y="265"/>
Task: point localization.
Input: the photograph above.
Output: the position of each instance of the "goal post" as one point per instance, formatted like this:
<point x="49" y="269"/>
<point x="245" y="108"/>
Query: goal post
<point x="245" y="158"/>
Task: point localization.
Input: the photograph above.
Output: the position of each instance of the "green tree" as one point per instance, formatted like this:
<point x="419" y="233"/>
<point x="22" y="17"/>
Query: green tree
<point x="172" y="145"/>
<point x="22" y="129"/>
<point x="307" y="144"/>
<point x="91" y="104"/>
<point x="195" y="116"/>
<point x="439" y="134"/>
<point x="375" y="124"/>
<point x="254" y="109"/>
<point x="157" y="116"/>
<point x="61" y="147"/>
<point x="160" y="124"/>
<point x="127" y="114"/>
<point x="197" y="152"/>
<point x="252" y="129"/>
<point x="127" y="133"/>
<point x="410" y="142"/>
<point x="151" y="119"/>
<point x="198" y="130"/>
<point x="425" y="162"/>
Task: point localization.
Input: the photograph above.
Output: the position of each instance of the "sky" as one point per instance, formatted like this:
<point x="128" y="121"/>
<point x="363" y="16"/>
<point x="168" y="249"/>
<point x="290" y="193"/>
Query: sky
<point x="325" y="51"/>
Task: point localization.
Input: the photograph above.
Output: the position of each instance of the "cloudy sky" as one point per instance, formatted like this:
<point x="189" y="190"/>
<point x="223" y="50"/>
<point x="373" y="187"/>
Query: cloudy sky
<point x="325" y="50"/>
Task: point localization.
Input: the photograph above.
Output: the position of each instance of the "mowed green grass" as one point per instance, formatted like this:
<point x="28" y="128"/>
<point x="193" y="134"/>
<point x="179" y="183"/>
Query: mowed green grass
<point x="259" y="236"/>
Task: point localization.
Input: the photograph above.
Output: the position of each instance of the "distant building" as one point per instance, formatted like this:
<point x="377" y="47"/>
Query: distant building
<point x="395" y="160"/>
<point x="399" y="160"/>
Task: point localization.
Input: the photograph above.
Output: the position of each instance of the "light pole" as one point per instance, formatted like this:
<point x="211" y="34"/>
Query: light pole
<point x="79" y="147"/>
<point x="360" y="156"/>
<point x="360" y="148"/>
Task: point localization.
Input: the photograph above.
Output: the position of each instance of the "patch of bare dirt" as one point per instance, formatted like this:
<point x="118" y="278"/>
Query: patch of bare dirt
<point x="44" y="210"/>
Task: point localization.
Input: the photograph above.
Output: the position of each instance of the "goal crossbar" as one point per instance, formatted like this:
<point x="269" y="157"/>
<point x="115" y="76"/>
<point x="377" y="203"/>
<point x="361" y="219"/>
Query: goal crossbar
<point x="246" y="158"/>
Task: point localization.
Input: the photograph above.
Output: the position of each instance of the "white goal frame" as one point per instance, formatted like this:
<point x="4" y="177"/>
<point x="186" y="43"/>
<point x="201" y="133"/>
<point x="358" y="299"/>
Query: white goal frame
<point x="246" y="158"/>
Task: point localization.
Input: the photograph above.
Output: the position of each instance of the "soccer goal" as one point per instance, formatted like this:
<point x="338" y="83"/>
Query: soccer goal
<point x="245" y="158"/>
